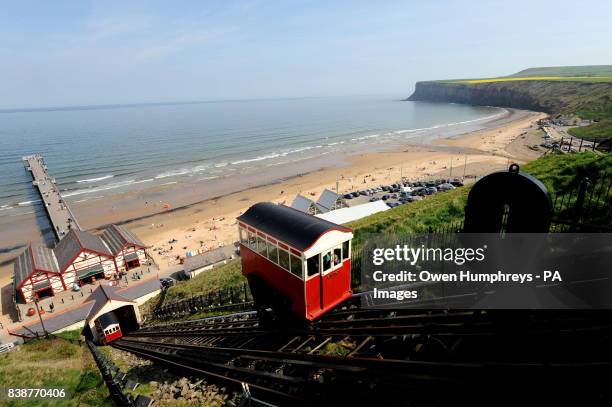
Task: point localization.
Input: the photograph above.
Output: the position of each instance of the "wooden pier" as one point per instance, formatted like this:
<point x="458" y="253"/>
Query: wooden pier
<point x="61" y="217"/>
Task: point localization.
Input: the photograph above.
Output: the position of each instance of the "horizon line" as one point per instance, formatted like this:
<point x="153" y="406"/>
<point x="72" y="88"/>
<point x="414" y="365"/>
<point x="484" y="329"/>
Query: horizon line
<point x="152" y="104"/>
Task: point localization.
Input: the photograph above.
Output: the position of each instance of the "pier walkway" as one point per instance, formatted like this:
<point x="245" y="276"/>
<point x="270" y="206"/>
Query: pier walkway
<point x="61" y="217"/>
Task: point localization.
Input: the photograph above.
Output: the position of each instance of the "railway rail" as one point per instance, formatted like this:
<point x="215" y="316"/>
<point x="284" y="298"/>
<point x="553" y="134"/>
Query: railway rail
<point x="294" y="374"/>
<point x="376" y="356"/>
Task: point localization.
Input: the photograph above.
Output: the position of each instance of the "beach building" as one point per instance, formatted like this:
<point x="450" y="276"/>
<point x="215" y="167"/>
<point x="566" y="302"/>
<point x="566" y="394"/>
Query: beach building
<point x="76" y="259"/>
<point x="82" y="256"/>
<point x="303" y="204"/>
<point x="37" y="273"/>
<point x="194" y="265"/>
<point x="329" y="201"/>
<point x="349" y="214"/>
<point x="128" y="250"/>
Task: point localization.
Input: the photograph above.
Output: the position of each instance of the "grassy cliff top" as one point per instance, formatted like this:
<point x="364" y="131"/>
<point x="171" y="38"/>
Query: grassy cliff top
<point x="585" y="70"/>
<point x="586" y="73"/>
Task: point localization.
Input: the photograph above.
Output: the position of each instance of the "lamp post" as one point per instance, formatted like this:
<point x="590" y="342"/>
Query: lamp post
<point x="42" y="324"/>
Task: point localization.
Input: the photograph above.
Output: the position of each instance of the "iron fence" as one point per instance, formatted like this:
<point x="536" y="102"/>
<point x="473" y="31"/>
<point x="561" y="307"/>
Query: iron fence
<point x="576" y="144"/>
<point x="232" y="298"/>
<point x="585" y="208"/>
<point x="115" y="380"/>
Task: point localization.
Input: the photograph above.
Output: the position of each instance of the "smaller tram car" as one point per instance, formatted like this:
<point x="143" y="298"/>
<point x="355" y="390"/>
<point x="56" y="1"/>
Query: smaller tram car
<point x="295" y="261"/>
<point x="108" y="328"/>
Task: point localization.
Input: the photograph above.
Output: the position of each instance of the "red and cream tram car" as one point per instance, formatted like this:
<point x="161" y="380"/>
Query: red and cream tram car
<point x="108" y="328"/>
<point x="294" y="259"/>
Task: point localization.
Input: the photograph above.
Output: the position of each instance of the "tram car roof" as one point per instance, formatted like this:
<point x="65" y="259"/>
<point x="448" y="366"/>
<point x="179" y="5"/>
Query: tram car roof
<point x="297" y="229"/>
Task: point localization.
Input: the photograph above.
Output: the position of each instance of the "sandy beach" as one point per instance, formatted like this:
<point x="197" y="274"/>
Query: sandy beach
<point x="205" y="219"/>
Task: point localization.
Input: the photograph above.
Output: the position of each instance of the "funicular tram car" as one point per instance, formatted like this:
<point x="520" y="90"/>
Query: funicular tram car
<point x="293" y="260"/>
<point x="108" y="328"/>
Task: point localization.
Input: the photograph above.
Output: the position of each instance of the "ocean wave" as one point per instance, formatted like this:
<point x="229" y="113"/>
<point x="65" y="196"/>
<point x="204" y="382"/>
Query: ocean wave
<point x="365" y="137"/>
<point x="183" y="171"/>
<point x="105" y="187"/>
<point x="438" y="126"/>
<point x="95" y="179"/>
<point x="26" y="203"/>
<point x="260" y="158"/>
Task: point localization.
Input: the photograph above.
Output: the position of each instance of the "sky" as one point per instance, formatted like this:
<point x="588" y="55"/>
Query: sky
<point x="65" y="53"/>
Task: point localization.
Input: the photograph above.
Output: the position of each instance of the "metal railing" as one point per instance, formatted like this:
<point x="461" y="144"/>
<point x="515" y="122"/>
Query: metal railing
<point x="113" y="377"/>
<point x="576" y="144"/>
<point x="232" y="298"/>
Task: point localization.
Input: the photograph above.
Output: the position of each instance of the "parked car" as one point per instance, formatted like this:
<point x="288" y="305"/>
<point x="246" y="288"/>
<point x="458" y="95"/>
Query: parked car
<point x="456" y="182"/>
<point x="412" y="198"/>
<point x="394" y="196"/>
<point x="166" y="282"/>
<point x="385" y="197"/>
<point x="392" y="204"/>
<point x="348" y="196"/>
<point x="7" y="347"/>
<point x="445" y="187"/>
<point x="374" y="199"/>
<point x="431" y="190"/>
<point x="364" y="193"/>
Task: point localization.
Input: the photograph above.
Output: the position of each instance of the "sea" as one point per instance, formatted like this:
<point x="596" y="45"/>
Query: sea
<point x="97" y="151"/>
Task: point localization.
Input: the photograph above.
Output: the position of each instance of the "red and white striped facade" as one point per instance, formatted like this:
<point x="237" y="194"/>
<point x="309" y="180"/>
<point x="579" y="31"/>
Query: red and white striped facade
<point x="79" y="256"/>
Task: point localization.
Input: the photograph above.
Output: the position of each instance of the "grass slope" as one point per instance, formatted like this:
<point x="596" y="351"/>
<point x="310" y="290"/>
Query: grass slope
<point x="55" y="363"/>
<point x="596" y="131"/>
<point x="223" y="276"/>
<point x="539" y="78"/>
<point x="585" y="70"/>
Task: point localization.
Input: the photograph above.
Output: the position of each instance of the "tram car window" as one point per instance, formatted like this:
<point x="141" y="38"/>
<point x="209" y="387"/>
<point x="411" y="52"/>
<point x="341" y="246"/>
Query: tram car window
<point x="295" y="259"/>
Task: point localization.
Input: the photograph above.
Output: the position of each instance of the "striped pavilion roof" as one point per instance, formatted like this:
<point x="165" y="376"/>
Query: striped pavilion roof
<point x="117" y="237"/>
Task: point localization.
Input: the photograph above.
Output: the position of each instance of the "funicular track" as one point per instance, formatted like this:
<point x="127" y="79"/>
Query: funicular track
<point x="368" y="356"/>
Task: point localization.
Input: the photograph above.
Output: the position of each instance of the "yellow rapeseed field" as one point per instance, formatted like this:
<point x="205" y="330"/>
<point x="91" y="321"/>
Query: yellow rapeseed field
<point x="542" y="78"/>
